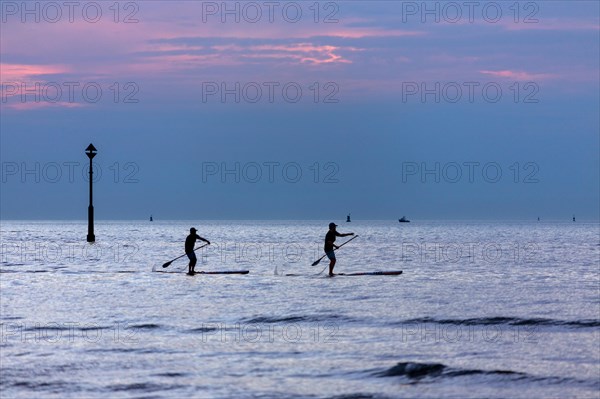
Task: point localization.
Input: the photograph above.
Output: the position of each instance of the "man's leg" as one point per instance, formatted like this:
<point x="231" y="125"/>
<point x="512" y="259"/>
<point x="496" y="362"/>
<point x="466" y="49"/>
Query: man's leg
<point x="193" y="264"/>
<point x="331" y="266"/>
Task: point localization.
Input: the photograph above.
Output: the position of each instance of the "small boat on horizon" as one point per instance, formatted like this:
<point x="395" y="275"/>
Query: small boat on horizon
<point x="403" y="219"/>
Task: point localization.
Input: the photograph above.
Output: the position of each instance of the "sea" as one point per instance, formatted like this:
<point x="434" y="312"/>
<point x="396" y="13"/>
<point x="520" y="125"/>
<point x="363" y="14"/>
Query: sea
<point x="483" y="309"/>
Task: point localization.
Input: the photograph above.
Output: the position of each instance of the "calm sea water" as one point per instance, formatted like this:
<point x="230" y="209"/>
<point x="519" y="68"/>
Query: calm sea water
<point x="488" y="309"/>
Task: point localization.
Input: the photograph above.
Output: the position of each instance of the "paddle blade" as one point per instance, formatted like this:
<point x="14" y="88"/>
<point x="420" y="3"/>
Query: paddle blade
<point x="167" y="264"/>
<point x="316" y="262"/>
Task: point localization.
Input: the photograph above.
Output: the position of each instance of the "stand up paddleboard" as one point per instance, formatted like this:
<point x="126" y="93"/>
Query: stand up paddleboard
<point x="390" y="273"/>
<point x="223" y="272"/>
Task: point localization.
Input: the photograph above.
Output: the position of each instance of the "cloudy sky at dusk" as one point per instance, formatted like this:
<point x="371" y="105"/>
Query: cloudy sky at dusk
<point x="301" y="110"/>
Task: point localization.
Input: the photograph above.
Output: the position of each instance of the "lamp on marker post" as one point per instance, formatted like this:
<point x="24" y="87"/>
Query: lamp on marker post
<point x="91" y="151"/>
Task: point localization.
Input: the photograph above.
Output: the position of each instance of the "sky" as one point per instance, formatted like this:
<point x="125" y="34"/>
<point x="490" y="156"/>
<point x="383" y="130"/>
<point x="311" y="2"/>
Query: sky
<point x="301" y="110"/>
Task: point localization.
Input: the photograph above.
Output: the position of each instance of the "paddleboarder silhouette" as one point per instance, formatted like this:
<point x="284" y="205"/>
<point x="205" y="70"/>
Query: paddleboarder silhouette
<point x="190" y="241"/>
<point x="330" y="246"/>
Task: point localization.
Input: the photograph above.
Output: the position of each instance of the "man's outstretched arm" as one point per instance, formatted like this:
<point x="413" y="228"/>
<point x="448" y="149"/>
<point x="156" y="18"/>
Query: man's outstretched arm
<point x="203" y="239"/>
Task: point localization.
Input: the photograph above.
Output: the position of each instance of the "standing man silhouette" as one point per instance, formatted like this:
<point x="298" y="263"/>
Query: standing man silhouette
<point x="190" y="241"/>
<point x="329" y="245"/>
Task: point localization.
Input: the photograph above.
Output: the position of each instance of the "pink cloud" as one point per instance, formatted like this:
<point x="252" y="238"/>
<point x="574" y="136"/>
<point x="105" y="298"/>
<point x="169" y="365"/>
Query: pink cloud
<point x="15" y="77"/>
<point x="234" y="54"/>
<point x="109" y="52"/>
<point x="518" y="75"/>
<point x="176" y="62"/>
<point x="173" y="47"/>
<point x="372" y="32"/>
<point x="24" y="72"/>
<point x="303" y="52"/>
<point x="27" y="106"/>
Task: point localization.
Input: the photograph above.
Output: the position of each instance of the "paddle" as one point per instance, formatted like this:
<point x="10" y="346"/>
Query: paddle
<point x="319" y="260"/>
<point x="169" y="263"/>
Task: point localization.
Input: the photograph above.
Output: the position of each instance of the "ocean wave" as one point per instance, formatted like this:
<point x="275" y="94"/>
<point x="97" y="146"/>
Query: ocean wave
<point x="267" y="319"/>
<point x="66" y="270"/>
<point x="296" y="319"/>
<point x="202" y="329"/>
<point x="413" y="370"/>
<point x="416" y="371"/>
<point x="51" y="386"/>
<point x="171" y="374"/>
<point x="147" y="326"/>
<point x="358" y="396"/>
<point x="63" y="327"/>
<point x="146" y="350"/>
<point x="143" y="387"/>
<point x="513" y="321"/>
<point x="24" y="271"/>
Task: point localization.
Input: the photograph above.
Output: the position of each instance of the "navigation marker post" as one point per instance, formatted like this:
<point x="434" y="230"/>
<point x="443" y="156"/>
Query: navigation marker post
<point x="91" y="153"/>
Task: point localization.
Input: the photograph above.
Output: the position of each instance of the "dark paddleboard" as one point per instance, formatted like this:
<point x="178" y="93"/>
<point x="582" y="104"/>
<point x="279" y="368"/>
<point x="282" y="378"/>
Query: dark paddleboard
<point x="223" y="272"/>
<point x="390" y="273"/>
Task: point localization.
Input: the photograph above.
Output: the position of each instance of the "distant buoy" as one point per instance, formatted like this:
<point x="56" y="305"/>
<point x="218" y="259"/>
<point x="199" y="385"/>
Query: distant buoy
<point x="151" y="218"/>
